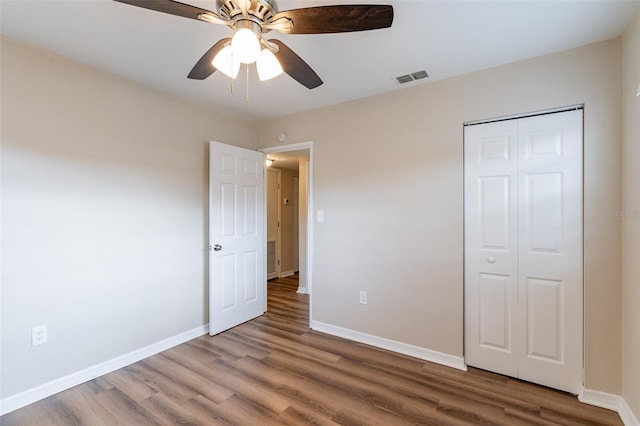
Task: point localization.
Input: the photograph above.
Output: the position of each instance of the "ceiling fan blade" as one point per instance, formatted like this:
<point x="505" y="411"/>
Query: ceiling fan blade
<point x="204" y="68"/>
<point x="296" y="67"/>
<point x="337" y="18"/>
<point x="179" y="9"/>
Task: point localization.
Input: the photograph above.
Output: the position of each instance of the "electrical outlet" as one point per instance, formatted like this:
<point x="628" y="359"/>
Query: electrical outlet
<point x="39" y="335"/>
<point x="363" y="297"/>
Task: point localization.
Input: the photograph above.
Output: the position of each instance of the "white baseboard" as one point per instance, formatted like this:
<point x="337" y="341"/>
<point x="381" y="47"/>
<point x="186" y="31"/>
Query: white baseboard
<point x="303" y="290"/>
<point x="14" y="402"/>
<point x="392" y="345"/>
<point x="286" y="274"/>
<point x="610" y="402"/>
<point x="27" y="397"/>
<point x="627" y="415"/>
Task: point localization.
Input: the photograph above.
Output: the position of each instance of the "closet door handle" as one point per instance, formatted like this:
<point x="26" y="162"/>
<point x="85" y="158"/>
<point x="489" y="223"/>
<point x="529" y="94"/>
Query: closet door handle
<point x="217" y="247"/>
<point x="491" y="259"/>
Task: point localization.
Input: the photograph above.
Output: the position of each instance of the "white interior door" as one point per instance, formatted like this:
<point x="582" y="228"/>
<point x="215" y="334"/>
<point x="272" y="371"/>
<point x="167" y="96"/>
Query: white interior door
<point x="491" y="247"/>
<point x="523" y="248"/>
<point x="237" y="279"/>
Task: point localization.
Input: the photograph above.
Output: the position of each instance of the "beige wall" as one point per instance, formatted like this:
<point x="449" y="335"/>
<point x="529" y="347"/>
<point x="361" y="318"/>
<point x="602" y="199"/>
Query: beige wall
<point x="303" y="169"/>
<point x="104" y="214"/>
<point x="273" y="180"/>
<point x="388" y="175"/>
<point x="631" y="220"/>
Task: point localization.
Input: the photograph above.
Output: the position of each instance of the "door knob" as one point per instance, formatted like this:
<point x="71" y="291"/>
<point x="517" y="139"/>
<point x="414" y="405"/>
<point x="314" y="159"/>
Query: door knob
<point x="491" y="259"/>
<point x="217" y="247"/>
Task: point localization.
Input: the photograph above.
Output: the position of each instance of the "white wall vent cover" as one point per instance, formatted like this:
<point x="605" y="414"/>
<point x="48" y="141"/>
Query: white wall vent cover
<point x="408" y="78"/>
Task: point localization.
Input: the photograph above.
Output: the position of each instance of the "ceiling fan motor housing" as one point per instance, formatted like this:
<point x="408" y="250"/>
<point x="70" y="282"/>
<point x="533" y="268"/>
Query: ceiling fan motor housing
<point x="259" y="11"/>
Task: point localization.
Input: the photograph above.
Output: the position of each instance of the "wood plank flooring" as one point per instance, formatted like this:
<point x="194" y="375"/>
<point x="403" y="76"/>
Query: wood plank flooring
<point x="275" y="370"/>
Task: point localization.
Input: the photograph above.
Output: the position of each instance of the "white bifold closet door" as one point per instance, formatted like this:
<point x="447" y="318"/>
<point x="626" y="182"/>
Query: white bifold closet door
<point x="523" y="248"/>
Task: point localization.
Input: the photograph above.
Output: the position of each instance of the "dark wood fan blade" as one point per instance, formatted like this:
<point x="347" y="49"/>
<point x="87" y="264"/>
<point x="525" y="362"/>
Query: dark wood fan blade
<point x="337" y="19"/>
<point x="169" y="6"/>
<point x="296" y="67"/>
<point x="204" y="68"/>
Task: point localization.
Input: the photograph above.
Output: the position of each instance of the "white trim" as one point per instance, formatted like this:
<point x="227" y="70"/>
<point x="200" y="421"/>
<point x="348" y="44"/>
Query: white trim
<point x="265" y="176"/>
<point x="303" y="290"/>
<point x="524" y="115"/>
<point x="610" y="402"/>
<point x="286" y="274"/>
<point x="453" y="361"/>
<point x="310" y="222"/>
<point x="30" y="396"/>
<point x="626" y="414"/>
<point x="287" y="148"/>
<point x="279" y="230"/>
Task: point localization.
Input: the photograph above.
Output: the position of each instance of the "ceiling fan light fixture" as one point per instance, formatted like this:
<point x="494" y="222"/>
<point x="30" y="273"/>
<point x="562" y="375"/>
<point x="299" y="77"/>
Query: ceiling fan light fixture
<point x="226" y="63"/>
<point x="268" y="65"/>
<point x="252" y="19"/>
<point x="245" y="46"/>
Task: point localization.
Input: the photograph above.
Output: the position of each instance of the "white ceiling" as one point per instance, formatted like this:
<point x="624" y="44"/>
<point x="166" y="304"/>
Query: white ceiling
<point x="447" y="38"/>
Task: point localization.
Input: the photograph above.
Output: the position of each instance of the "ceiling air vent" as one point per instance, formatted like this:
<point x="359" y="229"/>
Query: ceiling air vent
<point x="408" y="78"/>
<point x="404" y="79"/>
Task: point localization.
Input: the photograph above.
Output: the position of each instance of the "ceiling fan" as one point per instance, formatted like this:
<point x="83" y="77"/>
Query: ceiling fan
<point x="251" y="19"/>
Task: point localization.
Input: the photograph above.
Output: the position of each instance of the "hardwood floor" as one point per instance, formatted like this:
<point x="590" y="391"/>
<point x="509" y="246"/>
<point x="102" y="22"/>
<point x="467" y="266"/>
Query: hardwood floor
<point x="275" y="370"/>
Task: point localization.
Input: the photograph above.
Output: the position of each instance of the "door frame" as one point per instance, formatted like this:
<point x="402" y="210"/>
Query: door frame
<point x="296" y="219"/>
<point x="296" y="147"/>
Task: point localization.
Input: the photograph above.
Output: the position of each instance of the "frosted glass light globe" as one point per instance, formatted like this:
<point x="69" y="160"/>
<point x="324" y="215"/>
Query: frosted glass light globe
<point x="225" y="62"/>
<point x="268" y="65"/>
<point x="245" y="46"/>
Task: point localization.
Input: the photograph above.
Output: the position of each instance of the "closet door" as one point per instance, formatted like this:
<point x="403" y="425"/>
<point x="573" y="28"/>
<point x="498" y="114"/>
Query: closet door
<point x="523" y="248"/>
<point x="550" y="256"/>
<point x="491" y="247"/>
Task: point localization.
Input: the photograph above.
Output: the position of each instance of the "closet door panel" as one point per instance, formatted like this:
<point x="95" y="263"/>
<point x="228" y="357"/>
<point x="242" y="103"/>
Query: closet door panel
<point x="491" y="247"/>
<point x="550" y="257"/>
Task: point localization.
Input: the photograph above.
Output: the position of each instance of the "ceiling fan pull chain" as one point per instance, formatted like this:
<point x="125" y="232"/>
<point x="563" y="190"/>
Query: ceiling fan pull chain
<point x="232" y="78"/>
<point x="247" y="97"/>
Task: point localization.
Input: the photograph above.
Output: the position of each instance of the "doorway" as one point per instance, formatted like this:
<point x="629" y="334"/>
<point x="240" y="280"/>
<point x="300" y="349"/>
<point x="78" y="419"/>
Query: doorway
<point x="302" y="201"/>
<point x="237" y="231"/>
<point x="523" y="247"/>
